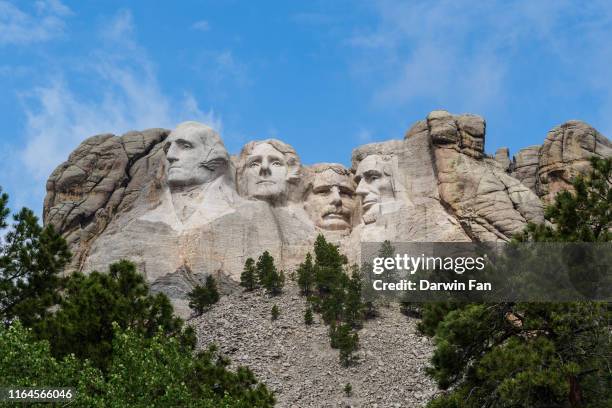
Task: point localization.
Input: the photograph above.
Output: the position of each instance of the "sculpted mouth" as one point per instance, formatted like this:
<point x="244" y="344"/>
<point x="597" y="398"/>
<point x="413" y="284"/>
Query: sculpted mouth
<point x="367" y="204"/>
<point x="334" y="216"/>
<point x="266" y="182"/>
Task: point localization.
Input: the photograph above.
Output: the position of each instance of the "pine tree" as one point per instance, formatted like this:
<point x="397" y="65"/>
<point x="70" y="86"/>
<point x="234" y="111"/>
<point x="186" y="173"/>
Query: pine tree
<point x="328" y="267"/>
<point x="354" y="307"/>
<point x="265" y="265"/>
<point x="275" y="312"/>
<point x="201" y="298"/>
<point x="306" y="275"/>
<point x="248" y="277"/>
<point x="31" y="260"/>
<point x="532" y="354"/>
<point x="347" y="341"/>
<point x="91" y="304"/>
<point x="348" y="389"/>
<point x="308" y="317"/>
<point x="269" y="277"/>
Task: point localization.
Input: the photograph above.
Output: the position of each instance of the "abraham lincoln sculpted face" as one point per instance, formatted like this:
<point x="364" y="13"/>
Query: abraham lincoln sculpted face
<point x="195" y="156"/>
<point x="375" y="185"/>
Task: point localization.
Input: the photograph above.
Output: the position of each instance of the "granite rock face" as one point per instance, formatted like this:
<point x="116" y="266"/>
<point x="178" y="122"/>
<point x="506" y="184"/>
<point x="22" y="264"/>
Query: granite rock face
<point x="565" y="154"/>
<point x="102" y="178"/>
<point x="178" y="205"/>
<point x="525" y="166"/>
<point x="548" y="168"/>
<point x="489" y="204"/>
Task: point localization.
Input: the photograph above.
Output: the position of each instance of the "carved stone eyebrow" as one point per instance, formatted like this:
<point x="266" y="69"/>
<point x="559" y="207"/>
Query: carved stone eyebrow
<point x="346" y="189"/>
<point x="183" y="141"/>
<point x="252" y="159"/>
<point x="276" y="157"/>
<point x="372" y="172"/>
<point x="320" y="188"/>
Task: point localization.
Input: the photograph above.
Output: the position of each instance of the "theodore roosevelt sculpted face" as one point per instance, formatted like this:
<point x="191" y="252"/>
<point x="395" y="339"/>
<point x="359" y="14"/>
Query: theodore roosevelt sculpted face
<point x="331" y="198"/>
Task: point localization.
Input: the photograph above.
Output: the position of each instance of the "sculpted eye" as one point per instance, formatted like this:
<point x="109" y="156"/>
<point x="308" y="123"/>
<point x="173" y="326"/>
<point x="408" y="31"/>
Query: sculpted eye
<point x="276" y="163"/>
<point x="254" y="164"/>
<point x="186" y="145"/>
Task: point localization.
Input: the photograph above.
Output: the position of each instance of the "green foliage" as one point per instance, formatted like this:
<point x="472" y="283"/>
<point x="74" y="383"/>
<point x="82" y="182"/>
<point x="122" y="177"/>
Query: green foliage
<point x="144" y="372"/>
<point x="201" y="298"/>
<point x="83" y="323"/>
<point x="31" y="259"/>
<point x="329" y="272"/>
<point x="344" y="338"/>
<point x="532" y="354"/>
<point x="354" y="308"/>
<point x="306" y="275"/>
<point x="308" y="317"/>
<point x="275" y="312"/>
<point x="268" y="275"/>
<point x="348" y="389"/>
<point x="248" y="277"/>
<point x="25" y="362"/>
<point x="338" y="297"/>
<point x="265" y="265"/>
<point x="584" y="215"/>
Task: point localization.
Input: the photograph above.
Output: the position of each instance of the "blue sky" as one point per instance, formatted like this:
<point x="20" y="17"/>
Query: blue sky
<point x="323" y="76"/>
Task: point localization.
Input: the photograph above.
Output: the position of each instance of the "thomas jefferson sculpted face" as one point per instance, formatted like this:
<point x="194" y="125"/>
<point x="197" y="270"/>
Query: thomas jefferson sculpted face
<point x="195" y="155"/>
<point x="266" y="170"/>
<point x="374" y="184"/>
<point x="331" y="200"/>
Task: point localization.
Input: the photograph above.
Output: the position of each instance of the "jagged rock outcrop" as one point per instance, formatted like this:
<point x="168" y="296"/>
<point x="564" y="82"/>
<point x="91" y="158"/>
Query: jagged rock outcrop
<point x="102" y="178"/>
<point x="179" y="206"/>
<point x="525" y="166"/>
<point x="565" y="153"/>
<point x="502" y="157"/>
<point x="489" y="204"/>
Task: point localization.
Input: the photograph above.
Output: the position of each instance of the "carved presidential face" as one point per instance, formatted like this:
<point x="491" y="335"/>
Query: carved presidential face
<point x="194" y="154"/>
<point x="266" y="173"/>
<point x="374" y="183"/>
<point x="331" y="200"/>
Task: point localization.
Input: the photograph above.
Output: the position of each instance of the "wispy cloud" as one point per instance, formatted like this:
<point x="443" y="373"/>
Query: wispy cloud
<point x="126" y="96"/>
<point x="468" y="53"/>
<point x="201" y="25"/>
<point x="44" y="22"/>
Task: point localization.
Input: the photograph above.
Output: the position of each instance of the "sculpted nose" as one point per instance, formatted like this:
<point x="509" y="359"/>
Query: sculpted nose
<point x="171" y="154"/>
<point x="336" y="199"/>
<point x="361" y="188"/>
<point x="264" y="169"/>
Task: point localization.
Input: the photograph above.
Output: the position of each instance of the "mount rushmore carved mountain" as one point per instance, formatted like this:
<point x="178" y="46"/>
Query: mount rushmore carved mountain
<point x="178" y="205"/>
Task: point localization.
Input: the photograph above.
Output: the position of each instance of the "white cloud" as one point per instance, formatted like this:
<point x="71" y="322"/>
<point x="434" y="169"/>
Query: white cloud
<point x="120" y="28"/>
<point x="19" y="27"/>
<point x="127" y="96"/>
<point x="201" y="25"/>
<point x="463" y="52"/>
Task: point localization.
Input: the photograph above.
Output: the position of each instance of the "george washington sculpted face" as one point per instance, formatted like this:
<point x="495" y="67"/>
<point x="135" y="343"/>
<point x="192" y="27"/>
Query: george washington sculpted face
<point x="195" y="155"/>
